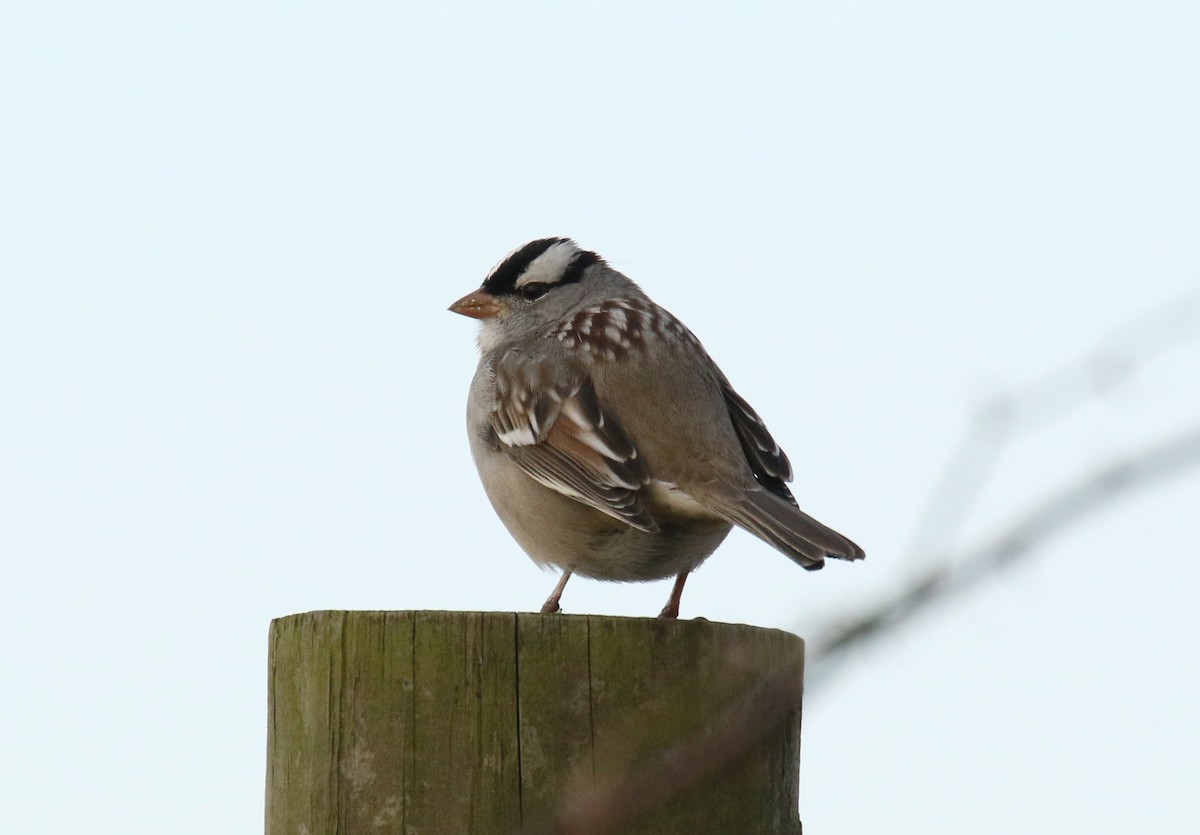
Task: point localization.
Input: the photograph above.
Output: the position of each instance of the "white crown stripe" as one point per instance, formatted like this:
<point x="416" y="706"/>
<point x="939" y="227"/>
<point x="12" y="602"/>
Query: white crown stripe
<point x="550" y="266"/>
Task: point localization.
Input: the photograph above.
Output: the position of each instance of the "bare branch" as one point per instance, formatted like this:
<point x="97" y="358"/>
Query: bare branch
<point x="1007" y="415"/>
<point x="958" y="573"/>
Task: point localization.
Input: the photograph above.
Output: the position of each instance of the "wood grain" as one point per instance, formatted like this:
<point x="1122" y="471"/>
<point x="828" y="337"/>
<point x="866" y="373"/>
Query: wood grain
<point x="425" y="723"/>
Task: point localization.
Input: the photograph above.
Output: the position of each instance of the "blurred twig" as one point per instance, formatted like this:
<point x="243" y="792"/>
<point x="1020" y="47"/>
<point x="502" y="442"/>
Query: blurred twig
<point x="939" y="566"/>
<point x="957" y="573"/>
<point x="1005" y="416"/>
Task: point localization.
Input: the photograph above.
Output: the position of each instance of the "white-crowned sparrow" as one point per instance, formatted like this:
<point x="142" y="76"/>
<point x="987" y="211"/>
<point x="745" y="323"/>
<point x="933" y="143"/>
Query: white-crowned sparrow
<point x="607" y="439"/>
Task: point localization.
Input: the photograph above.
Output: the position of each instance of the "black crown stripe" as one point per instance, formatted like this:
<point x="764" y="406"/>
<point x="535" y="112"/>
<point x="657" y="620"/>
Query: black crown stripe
<point x="581" y="262"/>
<point x="504" y="278"/>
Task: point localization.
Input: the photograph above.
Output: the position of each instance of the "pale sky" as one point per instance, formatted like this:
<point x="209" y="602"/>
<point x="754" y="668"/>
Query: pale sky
<point x="232" y="392"/>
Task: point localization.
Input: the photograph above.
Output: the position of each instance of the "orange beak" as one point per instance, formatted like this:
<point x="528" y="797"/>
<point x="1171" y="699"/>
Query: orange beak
<point x="478" y="304"/>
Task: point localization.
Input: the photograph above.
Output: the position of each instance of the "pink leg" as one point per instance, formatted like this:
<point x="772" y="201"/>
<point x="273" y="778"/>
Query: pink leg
<point x="671" y="610"/>
<point x="551" y="604"/>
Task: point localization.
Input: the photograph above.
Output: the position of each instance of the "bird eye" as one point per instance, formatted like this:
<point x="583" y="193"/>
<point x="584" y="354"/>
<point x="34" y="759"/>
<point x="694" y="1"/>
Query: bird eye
<point x="534" y="291"/>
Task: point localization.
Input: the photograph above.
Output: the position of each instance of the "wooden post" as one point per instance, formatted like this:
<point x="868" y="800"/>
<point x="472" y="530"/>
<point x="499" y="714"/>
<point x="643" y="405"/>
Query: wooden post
<point x="426" y="723"/>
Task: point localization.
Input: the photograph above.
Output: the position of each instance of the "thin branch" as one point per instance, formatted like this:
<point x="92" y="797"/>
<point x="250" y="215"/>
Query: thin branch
<point x="957" y="573"/>
<point x="1005" y="416"/>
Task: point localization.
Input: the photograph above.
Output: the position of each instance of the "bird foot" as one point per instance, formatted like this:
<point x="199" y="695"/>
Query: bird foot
<point x="551" y="606"/>
<point x="671" y="610"/>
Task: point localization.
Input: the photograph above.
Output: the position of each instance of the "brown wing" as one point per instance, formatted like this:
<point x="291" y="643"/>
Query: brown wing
<point x="551" y="424"/>
<point x="769" y="463"/>
<point x="761" y="512"/>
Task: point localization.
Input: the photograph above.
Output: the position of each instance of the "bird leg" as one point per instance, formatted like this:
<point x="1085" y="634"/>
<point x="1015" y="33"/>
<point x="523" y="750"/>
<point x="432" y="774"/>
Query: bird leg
<point x="551" y="604"/>
<point x="671" y="610"/>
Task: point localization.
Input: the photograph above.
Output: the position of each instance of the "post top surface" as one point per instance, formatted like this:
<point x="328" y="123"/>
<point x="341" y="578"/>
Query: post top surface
<point x="657" y="625"/>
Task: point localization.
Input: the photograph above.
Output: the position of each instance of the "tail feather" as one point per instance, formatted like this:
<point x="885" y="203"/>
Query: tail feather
<point x="789" y="529"/>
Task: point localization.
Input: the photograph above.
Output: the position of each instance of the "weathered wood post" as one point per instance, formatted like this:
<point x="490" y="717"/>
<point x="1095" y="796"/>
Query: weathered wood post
<point x="496" y="723"/>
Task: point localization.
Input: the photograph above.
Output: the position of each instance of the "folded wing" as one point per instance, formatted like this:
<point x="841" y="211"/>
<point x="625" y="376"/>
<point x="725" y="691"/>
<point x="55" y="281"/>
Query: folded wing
<point x="551" y="424"/>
